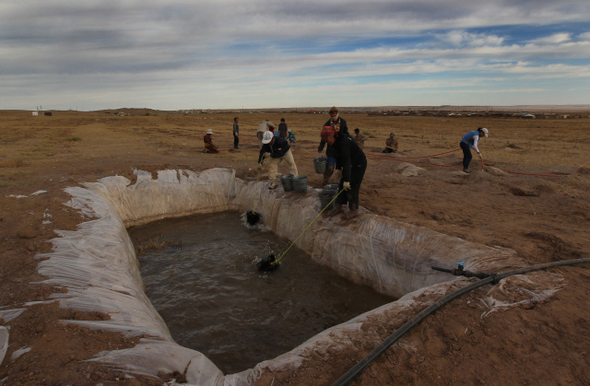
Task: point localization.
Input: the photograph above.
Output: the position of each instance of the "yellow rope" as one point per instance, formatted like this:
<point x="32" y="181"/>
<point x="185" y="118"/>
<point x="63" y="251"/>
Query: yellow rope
<point x="316" y="217"/>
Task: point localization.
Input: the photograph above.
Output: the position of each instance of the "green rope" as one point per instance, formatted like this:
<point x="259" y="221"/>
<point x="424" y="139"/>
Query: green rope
<point x="316" y="217"/>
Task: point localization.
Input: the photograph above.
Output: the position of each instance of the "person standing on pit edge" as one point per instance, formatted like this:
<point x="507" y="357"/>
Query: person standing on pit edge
<point x="264" y="126"/>
<point x="283" y="133"/>
<point x="353" y="162"/>
<point x="469" y="141"/>
<point x="236" y="132"/>
<point x="339" y="126"/>
<point x="279" y="150"/>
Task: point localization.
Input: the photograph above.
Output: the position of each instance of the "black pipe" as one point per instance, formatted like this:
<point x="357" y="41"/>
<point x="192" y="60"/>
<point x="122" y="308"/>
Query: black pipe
<point x="493" y="278"/>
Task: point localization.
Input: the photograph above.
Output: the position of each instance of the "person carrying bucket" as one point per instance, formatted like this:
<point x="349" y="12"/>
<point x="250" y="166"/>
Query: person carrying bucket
<point x="351" y="159"/>
<point x="279" y="150"/>
<point x="469" y="141"/>
<point x="339" y="126"/>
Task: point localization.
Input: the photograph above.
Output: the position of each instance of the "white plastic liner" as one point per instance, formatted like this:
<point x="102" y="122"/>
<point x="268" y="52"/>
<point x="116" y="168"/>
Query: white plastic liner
<point x="3" y="342"/>
<point x="97" y="263"/>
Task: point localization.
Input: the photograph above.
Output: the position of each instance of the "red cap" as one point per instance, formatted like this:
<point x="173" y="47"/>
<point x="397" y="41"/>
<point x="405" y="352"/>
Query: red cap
<point x="327" y="132"/>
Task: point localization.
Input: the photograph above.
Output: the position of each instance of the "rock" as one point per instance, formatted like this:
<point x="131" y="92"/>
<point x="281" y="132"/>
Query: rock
<point x="27" y="233"/>
<point x="495" y="171"/>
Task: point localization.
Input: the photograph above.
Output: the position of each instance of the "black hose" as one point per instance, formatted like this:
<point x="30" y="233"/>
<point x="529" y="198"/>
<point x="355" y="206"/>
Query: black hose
<point x="493" y="278"/>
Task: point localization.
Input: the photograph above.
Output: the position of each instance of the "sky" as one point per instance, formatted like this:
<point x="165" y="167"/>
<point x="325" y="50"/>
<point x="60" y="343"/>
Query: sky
<point x="200" y="54"/>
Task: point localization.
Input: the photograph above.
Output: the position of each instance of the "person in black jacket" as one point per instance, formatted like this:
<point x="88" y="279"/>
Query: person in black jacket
<point x="351" y="159"/>
<point x="339" y="125"/>
<point x="279" y="150"/>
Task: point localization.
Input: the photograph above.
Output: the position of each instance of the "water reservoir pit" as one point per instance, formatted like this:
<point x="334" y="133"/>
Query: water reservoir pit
<point x="200" y="274"/>
<point x="98" y="265"/>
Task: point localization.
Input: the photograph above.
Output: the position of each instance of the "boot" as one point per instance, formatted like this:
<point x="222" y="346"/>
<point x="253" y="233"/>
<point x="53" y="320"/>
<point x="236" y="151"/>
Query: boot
<point x="352" y="213"/>
<point x="337" y="210"/>
<point x="327" y="174"/>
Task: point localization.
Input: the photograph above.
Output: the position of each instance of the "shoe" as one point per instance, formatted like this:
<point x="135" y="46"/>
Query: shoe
<point x="350" y="214"/>
<point x="337" y="210"/>
<point x="272" y="186"/>
<point x="466" y="171"/>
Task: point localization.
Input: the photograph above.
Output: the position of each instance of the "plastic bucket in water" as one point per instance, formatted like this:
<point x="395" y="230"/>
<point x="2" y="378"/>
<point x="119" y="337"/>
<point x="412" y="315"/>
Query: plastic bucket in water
<point x="320" y="164"/>
<point x="325" y="197"/>
<point x="287" y="181"/>
<point x="300" y="184"/>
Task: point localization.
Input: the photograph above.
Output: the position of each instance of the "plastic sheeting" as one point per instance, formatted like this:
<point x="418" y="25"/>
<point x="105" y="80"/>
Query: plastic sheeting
<point x="3" y="342"/>
<point x="97" y="263"/>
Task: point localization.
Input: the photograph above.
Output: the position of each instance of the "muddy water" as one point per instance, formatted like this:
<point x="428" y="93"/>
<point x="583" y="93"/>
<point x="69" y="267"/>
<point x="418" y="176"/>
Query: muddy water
<point x="200" y="274"/>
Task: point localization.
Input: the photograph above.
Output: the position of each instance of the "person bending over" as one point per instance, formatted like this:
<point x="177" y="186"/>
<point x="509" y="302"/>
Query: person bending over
<point x="351" y="159"/>
<point x="279" y="150"/>
<point x="469" y="141"/>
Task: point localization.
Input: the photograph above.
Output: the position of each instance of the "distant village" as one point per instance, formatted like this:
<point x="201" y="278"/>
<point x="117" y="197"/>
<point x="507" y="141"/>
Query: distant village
<point x="530" y="112"/>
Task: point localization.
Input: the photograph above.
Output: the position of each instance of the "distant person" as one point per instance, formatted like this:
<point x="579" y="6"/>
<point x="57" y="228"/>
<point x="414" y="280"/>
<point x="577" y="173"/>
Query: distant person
<point x="469" y="141"/>
<point x="279" y="150"/>
<point x="339" y="126"/>
<point x="236" y="133"/>
<point x="359" y="138"/>
<point x="351" y="159"/>
<point x="291" y="136"/>
<point x="264" y="126"/>
<point x="390" y="144"/>
<point x="209" y="147"/>
<point x="283" y="132"/>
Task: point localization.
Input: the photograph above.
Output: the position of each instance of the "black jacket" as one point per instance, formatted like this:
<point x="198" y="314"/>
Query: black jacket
<point x="278" y="149"/>
<point x="343" y="130"/>
<point x="348" y="155"/>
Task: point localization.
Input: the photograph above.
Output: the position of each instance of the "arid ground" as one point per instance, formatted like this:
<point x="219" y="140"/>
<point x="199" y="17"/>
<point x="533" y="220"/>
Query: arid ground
<point x="540" y="208"/>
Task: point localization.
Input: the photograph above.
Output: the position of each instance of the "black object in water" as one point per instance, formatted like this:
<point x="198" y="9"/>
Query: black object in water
<point x="252" y="217"/>
<point x="269" y="263"/>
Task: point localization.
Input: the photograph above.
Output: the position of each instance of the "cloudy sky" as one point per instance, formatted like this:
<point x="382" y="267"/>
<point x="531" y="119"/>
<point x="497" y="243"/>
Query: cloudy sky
<point x="202" y="54"/>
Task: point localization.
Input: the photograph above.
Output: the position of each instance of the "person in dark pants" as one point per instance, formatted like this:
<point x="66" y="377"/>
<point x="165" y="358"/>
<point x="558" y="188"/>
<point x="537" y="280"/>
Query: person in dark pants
<point x="351" y="159"/>
<point x="283" y="131"/>
<point x="340" y="126"/>
<point x="236" y="132"/>
<point x="469" y="141"/>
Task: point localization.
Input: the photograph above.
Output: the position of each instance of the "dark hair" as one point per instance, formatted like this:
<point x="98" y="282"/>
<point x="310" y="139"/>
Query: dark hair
<point x="282" y="119"/>
<point x="356" y="130"/>
<point x="235" y="118"/>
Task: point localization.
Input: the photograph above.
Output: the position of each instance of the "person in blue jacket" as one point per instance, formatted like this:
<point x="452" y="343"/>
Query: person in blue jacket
<point x="469" y="141"/>
<point x="279" y="150"/>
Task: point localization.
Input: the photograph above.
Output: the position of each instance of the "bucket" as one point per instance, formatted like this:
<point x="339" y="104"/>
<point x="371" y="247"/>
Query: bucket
<point x="332" y="187"/>
<point x="325" y="197"/>
<point x="287" y="181"/>
<point x="320" y="164"/>
<point x="300" y="184"/>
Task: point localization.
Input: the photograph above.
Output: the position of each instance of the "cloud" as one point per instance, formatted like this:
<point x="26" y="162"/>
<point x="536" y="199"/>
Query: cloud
<point x="557" y="38"/>
<point x="181" y="50"/>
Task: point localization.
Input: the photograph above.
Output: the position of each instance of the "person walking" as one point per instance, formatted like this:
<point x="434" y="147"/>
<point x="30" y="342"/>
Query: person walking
<point x="236" y="132"/>
<point x="264" y="126"/>
<point x="283" y="132"/>
<point x="279" y="150"/>
<point x="339" y="125"/>
<point x="470" y="140"/>
<point x="353" y="162"/>
<point x="209" y="146"/>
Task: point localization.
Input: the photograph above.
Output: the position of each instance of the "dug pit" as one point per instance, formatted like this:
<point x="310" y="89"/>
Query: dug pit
<point x="98" y="265"/>
<point x="200" y="275"/>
